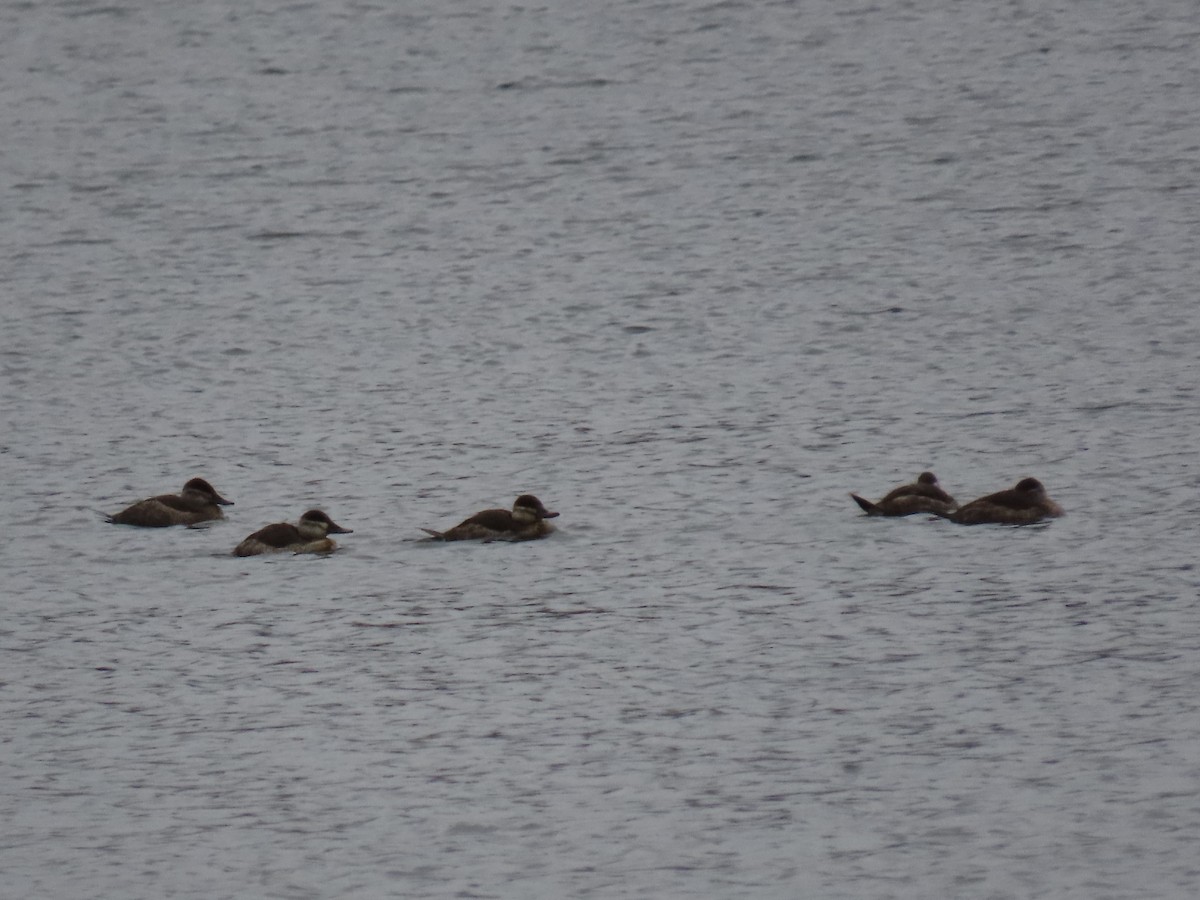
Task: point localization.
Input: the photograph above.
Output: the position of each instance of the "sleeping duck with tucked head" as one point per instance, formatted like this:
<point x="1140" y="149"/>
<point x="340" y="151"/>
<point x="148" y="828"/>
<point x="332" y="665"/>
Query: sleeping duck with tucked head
<point x="309" y="535"/>
<point x="197" y="502"/>
<point x="526" y="522"/>
<point x="922" y="496"/>
<point x="1024" y="504"/>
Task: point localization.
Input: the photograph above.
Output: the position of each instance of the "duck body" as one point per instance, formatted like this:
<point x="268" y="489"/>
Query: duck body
<point x="526" y="521"/>
<point x="197" y="502"/>
<point x="922" y="496"/>
<point x="1024" y="504"/>
<point x="310" y="535"/>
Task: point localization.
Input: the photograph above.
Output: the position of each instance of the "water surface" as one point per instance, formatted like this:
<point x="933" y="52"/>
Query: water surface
<point x="690" y="273"/>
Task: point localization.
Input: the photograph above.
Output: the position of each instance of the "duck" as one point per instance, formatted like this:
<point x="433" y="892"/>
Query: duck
<point x="526" y="522"/>
<point x="922" y="496"/>
<point x="308" y="536"/>
<point x="197" y="502"/>
<point x="1024" y="504"/>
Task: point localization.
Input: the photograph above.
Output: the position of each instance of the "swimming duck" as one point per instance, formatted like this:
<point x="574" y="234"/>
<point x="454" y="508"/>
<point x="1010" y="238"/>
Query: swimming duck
<point x="923" y="495"/>
<point x="309" y="536"/>
<point x="1024" y="504"/>
<point x="197" y="502"/>
<point x="526" y="522"/>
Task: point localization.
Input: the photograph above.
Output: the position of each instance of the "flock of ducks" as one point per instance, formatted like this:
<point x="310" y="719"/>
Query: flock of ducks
<point x="1024" y="504"/>
<point x="199" y="502"/>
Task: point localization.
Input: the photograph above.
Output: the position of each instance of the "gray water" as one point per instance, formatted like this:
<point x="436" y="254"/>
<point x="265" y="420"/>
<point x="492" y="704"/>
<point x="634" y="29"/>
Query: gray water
<point x="690" y="273"/>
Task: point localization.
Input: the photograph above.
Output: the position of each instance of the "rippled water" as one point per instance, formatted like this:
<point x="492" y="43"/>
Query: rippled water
<point x="690" y="273"/>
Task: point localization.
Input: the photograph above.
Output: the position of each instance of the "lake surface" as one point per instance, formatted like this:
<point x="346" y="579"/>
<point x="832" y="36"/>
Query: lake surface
<point x="689" y="272"/>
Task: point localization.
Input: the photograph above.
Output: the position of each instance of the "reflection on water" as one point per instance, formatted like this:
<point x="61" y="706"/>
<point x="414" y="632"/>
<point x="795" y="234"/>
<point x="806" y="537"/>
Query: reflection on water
<point x="691" y="276"/>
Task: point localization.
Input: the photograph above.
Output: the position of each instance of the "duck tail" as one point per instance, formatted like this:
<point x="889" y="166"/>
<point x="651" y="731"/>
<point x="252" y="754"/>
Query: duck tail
<point x="867" y="506"/>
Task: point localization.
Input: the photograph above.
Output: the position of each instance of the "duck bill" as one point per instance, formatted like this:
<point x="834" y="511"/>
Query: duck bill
<point x="546" y="514"/>
<point x="338" y="529"/>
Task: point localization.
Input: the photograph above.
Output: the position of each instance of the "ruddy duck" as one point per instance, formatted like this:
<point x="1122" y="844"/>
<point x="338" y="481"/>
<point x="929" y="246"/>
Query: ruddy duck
<point x="923" y="495"/>
<point x="197" y="502"/>
<point x="1024" y="504"/>
<point x="526" y="522"/>
<point x="307" y="537"/>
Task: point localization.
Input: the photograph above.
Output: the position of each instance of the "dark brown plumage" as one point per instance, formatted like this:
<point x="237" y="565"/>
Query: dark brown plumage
<point x="524" y="522"/>
<point x="309" y="536"/>
<point x="197" y="502"/>
<point x="923" y="495"/>
<point x="1024" y="504"/>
